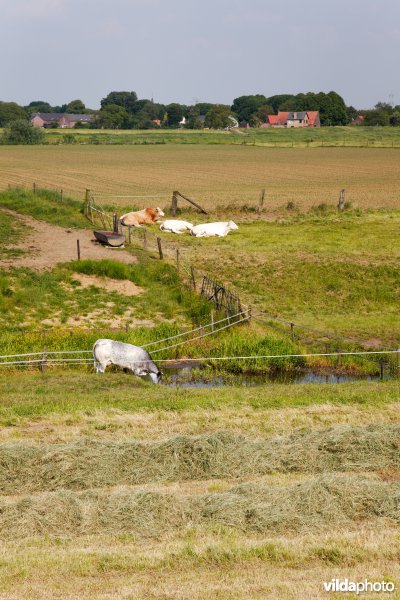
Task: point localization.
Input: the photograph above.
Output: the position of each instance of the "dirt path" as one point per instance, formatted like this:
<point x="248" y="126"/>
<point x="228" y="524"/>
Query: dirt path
<point x="48" y="245"/>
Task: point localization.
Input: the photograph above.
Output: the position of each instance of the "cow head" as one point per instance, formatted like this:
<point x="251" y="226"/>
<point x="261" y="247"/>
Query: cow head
<point x="159" y="212"/>
<point x="232" y="225"/>
<point x="155" y="377"/>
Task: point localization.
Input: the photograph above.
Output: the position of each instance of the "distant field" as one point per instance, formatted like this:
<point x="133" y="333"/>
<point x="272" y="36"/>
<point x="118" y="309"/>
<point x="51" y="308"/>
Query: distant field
<point x="217" y="176"/>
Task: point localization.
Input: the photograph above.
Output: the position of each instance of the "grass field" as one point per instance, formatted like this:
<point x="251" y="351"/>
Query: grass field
<point x="217" y="176"/>
<point x="204" y="524"/>
<point x="113" y="488"/>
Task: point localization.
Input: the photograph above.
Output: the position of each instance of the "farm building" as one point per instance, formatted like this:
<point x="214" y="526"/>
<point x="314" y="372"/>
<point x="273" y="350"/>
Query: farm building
<point x="62" y="120"/>
<point x="308" y="118"/>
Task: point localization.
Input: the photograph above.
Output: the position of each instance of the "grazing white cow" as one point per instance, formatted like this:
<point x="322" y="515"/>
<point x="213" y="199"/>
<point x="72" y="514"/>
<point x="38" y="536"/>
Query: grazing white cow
<point x="147" y="216"/>
<point x="126" y="356"/>
<point x="213" y="229"/>
<point x="175" y="226"/>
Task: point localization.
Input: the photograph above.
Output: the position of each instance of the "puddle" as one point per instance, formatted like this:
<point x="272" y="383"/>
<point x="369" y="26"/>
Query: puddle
<point x="181" y="376"/>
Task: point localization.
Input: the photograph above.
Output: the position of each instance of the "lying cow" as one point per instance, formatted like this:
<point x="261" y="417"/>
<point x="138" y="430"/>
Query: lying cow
<point x="126" y="356"/>
<point x="175" y="226"/>
<point x="213" y="229"/>
<point x="147" y="216"/>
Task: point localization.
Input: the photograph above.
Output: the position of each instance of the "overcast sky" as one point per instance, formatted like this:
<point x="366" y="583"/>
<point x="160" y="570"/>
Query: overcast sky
<point x="186" y="51"/>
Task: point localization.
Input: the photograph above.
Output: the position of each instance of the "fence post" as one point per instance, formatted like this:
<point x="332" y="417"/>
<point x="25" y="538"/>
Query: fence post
<point x="212" y="320"/>
<point x="292" y="331"/>
<point x="381" y="365"/>
<point x="159" y="248"/>
<point x="177" y="259"/>
<point x="34" y="187"/>
<point x="174" y="203"/>
<point x="193" y="277"/>
<point x="398" y="362"/>
<point x="130" y="234"/>
<point x="341" y="202"/>
<point x="261" y="201"/>
<point x="61" y="195"/>
<point x="78" y="248"/>
<point x="145" y="240"/>
<point x="43" y="364"/>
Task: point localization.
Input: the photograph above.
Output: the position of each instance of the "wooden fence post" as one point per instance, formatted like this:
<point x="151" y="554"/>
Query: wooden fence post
<point x="193" y="277"/>
<point x="145" y="240"/>
<point x="292" y="331"/>
<point x="130" y="234"/>
<point x="34" y="187"/>
<point x="177" y="259"/>
<point x="261" y="201"/>
<point x="78" y="249"/>
<point x="43" y="364"/>
<point x="342" y="197"/>
<point x="61" y="195"/>
<point x="174" y="203"/>
<point x="212" y="320"/>
<point x="159" y="248"/>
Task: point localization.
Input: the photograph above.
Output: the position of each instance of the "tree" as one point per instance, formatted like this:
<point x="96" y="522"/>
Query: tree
<point x="245" y="106"/>
<point x="376" y="117"/>
<point x="218" y="117"/>
<point x="76" y="107"/>
<point x="21" y="131"/>
<point x="11" y="111"/>
<point x="126" y="100"/>
<point x="113" y="116"/>
<point x="260" y="115"/>
<point x="175" y="113"/>
<point x="38" y="106"/>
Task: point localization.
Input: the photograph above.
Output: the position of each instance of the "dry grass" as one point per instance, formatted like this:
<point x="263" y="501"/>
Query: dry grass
<point x="90" y="463"/>
<point x="215" y="175"/>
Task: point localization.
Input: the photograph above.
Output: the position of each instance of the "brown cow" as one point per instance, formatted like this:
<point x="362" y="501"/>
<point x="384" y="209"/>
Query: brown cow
<point x="147" y="216"/>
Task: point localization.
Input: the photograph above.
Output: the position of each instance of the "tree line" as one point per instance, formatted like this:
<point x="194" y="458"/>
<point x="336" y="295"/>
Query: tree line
<point x="124" y="110"/>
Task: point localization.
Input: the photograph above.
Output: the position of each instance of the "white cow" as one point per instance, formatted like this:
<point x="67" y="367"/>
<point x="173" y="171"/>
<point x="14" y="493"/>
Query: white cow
<point x="213" y="229"/>
<point x="175" y="226"/>
<point x="126" y="356"/>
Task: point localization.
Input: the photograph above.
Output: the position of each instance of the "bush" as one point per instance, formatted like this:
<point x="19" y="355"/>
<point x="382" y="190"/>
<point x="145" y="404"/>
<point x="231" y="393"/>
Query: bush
<point x="22" y="132"/>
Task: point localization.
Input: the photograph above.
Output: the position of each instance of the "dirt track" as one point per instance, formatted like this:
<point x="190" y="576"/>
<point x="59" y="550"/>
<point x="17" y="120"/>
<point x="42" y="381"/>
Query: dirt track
<point x="48" y="245"/>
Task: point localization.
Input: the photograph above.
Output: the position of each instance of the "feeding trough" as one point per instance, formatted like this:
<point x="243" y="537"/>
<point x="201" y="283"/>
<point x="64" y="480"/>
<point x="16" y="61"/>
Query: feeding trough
<point x="114" y="238"/>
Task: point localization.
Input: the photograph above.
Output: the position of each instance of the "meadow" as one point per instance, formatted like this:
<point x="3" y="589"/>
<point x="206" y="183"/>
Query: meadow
<point x="113" y="488"/>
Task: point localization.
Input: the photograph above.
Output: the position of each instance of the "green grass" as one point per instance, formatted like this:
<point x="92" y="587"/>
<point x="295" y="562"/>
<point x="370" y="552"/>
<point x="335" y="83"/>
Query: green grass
<point x="12" y="233"/>
<point x="325" y="136"/>
<point x="57" y="392"/>
<point x="45" y="205"/>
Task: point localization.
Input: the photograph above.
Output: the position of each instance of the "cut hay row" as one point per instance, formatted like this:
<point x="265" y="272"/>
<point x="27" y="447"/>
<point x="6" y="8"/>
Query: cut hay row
<point x="91" y="463"/>
<point x="315" y="504"/>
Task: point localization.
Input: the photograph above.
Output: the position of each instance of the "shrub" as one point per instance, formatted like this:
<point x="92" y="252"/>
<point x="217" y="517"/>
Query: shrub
<point x="22" y="132"/>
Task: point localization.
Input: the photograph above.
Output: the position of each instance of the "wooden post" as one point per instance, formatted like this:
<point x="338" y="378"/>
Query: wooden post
<point x="261" y="201"/>
<point x="34" y="187"/>
<point x="341" y="202"/>
<point x="78" y="249"/>
<point x="398" y="362"/>
<point x="177" y="259"/>
<point x="43" y="364"/>
<point x="159" y="248"/>
<point x="381" y="364"/>
<point x="145" y="240"/>
<point x="174" y="203"/>
<point x="212" y="320"/>
<point x="61" y="195"/>
<point x="130" y="234"/>
<point x="292" y="331"/>
<point x="193" y="277"/>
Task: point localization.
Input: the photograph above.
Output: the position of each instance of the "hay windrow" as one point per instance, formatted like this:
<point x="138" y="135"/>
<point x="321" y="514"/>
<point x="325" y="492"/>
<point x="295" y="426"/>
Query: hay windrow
<point x="92" y="463"/>
<point x="329" y="501"/>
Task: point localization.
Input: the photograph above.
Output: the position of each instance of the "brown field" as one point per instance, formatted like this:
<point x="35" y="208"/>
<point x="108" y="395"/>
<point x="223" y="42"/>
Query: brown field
<point x="214" y="175"/>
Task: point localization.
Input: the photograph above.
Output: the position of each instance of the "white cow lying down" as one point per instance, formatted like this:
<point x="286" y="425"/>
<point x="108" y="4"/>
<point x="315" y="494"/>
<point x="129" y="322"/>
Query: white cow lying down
<point x="126" y="356"/>
<point x="213" y="229"/>
<point x="175" y="226"/>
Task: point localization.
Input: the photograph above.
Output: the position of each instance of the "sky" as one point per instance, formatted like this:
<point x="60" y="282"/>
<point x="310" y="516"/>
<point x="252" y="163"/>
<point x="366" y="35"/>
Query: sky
<point x="209" y="51"/>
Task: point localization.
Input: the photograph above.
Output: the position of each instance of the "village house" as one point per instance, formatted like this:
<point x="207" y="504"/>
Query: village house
<point x="62" y="120"/>
<point x="309" y="118"/>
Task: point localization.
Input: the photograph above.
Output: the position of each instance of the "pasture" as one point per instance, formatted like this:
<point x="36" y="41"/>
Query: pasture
<point x="114" y="488"/>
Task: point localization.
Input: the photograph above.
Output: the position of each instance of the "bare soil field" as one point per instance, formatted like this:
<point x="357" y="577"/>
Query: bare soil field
<point x="217" y="176"/>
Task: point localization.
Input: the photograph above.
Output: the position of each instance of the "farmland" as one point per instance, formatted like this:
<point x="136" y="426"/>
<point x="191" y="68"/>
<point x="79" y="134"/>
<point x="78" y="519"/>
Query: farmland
<point x="217" y="176"/>
<point x="113" y="488"/>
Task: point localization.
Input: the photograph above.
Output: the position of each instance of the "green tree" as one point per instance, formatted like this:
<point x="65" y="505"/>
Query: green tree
<point x="113" y="116"/>
<point x="126" y="100"/>
<point x="21" y="131"/>
<point x="76" y="107"/>
<point x="218" y="117"/>
<point x="376" y="117"/>
<point x="11" y="111"/>
<point x="39" y="106"/>
<point x="260" y="115"/>
<point x="175" y="113"/>
<point x="245" y="106"/>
